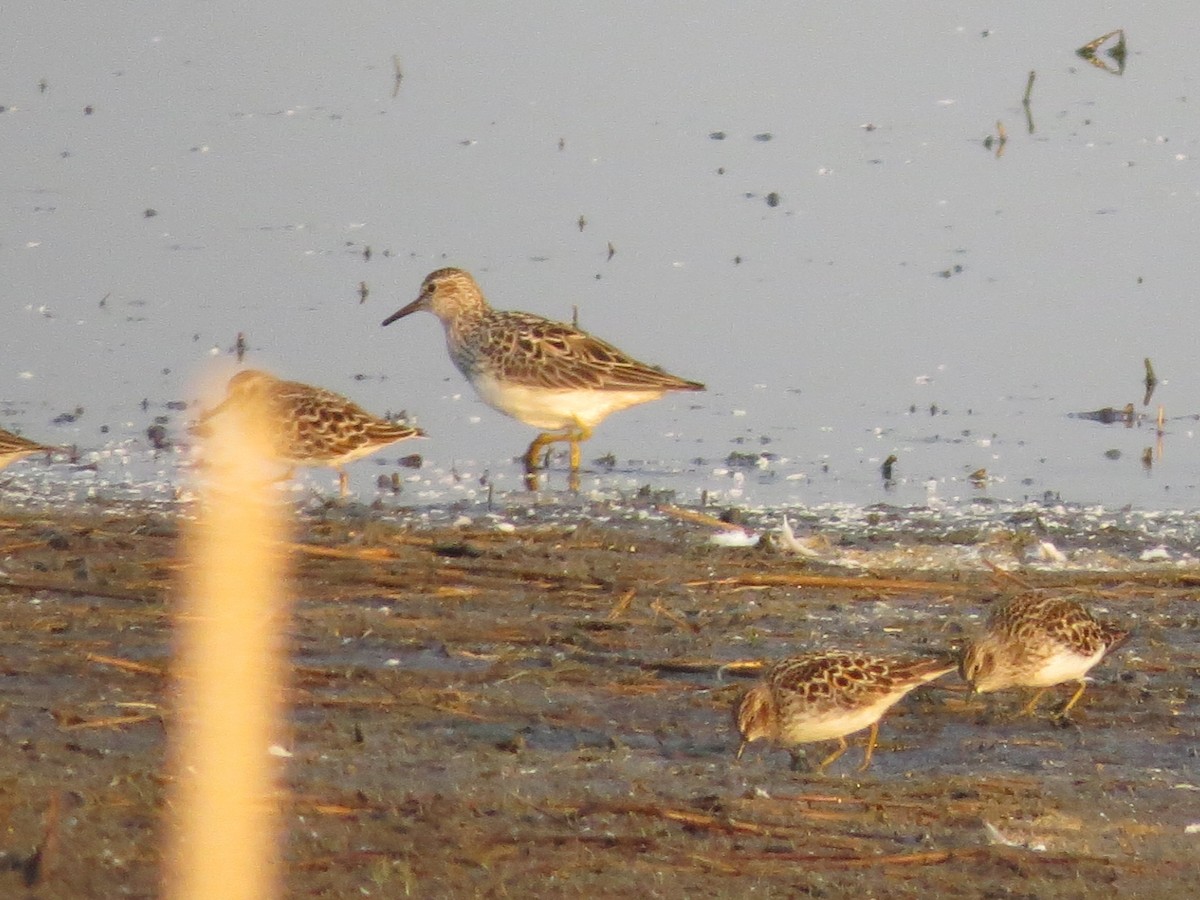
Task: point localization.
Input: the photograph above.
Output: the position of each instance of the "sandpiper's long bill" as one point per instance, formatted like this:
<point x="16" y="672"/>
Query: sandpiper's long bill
<point x="547" y="374"/>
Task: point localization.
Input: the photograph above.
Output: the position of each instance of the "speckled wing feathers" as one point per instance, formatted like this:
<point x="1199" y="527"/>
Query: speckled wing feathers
<point x="1029" y="619"/>
<point x="310" y="425"/>
<point x="13" y="445"/>
<point x="846" y="680"/>
<point x="541" y="353"/>
<point x="313" y="423"/>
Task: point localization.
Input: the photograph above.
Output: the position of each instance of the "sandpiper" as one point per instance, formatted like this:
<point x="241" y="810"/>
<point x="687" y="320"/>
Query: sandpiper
<point x="13" y="447"/>
<point x="312" y="426"/>
<point x="1038" y="641"/>
<point x="547" y="374"/>
<point x="827" y="695"/>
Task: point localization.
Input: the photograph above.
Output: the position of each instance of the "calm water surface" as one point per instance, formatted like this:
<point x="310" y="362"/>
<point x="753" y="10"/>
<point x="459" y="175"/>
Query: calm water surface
<point x="176" y="174"/>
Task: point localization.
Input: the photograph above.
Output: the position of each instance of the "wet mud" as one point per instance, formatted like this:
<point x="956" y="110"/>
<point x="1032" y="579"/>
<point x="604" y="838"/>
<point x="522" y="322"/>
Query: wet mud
<point x="544" y="710"/>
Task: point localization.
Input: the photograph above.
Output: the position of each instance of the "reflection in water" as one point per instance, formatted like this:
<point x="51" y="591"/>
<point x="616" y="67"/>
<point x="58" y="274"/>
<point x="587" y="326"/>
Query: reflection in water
<point x="1117" y="52"/>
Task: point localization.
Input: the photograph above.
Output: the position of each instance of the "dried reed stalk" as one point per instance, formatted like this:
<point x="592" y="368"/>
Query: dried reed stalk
<point x="226" y="800"/>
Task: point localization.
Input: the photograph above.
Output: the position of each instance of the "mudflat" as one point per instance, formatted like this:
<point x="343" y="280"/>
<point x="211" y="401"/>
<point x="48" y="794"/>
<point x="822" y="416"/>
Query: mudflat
<point x="542" y="708"/>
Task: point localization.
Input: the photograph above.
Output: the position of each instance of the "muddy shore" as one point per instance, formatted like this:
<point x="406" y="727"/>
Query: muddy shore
<point x="541" y="710"/>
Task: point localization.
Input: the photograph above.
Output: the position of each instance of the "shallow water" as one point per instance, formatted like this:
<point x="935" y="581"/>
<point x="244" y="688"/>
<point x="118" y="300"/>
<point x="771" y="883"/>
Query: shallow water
<point x="905" y="266"/>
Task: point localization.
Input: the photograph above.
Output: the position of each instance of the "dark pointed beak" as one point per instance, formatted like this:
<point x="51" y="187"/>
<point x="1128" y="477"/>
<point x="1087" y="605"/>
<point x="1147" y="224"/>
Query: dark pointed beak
<point x="411" y="308"/>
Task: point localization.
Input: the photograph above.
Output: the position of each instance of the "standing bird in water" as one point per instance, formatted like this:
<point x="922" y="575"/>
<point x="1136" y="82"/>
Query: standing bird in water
<point x="546" y="374"/>
<point x="1038" y="641"/>
<point x="311" y="426"/>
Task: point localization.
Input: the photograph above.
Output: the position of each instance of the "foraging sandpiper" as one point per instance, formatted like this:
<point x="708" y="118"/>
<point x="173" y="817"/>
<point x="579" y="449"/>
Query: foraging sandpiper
<point x="827" y="695"/>
<point x="1038" y="641"/>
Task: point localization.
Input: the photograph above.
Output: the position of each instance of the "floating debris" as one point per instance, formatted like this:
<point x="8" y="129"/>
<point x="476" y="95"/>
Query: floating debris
<point x="886" y="469"/>
<point x="998" y="140"/>
<point x="1108" y="415"/>
<point x="1151" y="382"/>
<point x="397" y="75"/>
<point x="1026" y="99"/>
<point x="157" y="435"/>
<point x="1117" y="52"/>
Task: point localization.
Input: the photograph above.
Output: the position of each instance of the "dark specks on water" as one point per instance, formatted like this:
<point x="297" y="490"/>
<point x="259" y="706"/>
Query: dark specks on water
<point x="157" y="435"/>
<point x="1109" y="415"/>
<point x="67" y="418"/>
<point x="772" y="199"/>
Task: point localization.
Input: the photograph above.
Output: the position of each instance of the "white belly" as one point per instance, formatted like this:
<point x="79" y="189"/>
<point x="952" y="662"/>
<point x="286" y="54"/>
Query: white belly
<point x="553" y="409"/>
<point x="1063" y="666"/>
<point x="833" y="723"/>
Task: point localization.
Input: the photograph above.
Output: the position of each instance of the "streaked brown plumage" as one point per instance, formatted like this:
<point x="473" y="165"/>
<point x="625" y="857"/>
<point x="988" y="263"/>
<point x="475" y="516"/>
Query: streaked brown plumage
<point x="310" y="425"/>
<point x="14" y="447"/>
<point x="547" y="374"/>
<point x="828" y="695"/>
<point x="1038" y="641"/>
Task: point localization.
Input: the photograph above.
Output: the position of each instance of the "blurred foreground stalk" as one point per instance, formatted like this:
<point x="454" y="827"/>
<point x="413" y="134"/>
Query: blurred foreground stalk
<point x="225" y="825"/>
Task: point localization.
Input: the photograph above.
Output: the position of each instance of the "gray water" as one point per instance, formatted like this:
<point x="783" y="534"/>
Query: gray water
<point x="911" y="293"/>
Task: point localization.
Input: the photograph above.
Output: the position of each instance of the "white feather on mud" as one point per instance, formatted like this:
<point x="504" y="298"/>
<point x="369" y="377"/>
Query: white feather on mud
<point x="791" y="544"/>
<point x="735" y="538"/>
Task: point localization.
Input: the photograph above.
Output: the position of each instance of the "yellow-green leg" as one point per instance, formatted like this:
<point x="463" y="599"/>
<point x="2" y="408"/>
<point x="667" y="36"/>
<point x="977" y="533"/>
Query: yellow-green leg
<point x="870" y="746"/>
<point x="535" y="449"/>
<point x="581" y="433"/>
<point x="1029" y="707"/>
<point x="1074" y="699"/>
<point x="572" y="436"/>
<point x="842" y="745"/>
